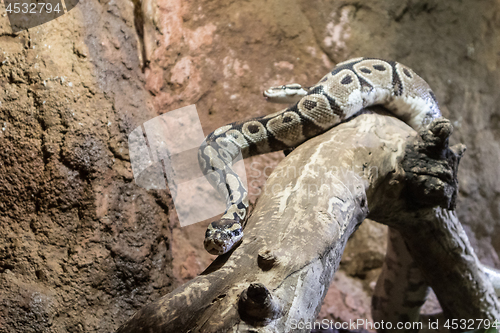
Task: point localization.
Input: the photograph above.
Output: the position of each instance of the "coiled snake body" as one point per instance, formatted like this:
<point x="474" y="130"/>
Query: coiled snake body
<point x="351" y="86"/>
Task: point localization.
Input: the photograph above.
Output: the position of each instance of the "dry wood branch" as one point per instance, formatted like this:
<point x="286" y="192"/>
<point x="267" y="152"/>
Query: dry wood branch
<point x="449" y="265"/>
<point x="430" y="229"/>
<point x="293" y="242"/>
<point x="401" y="288"/>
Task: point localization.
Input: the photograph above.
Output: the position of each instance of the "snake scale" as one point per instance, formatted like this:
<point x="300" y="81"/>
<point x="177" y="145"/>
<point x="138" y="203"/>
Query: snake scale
<point x="351" y="86"/>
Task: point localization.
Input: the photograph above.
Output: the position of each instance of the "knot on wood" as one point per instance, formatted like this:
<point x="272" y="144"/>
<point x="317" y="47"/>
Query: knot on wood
<point x="431" y="167"/>
<point x="266" y="259"/>
<point x="435" y="137"/>
<point x="257" y="306"/>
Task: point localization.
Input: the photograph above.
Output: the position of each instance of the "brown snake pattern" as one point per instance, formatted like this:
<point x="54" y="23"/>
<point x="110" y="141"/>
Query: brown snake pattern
<point x="351" y="86"/>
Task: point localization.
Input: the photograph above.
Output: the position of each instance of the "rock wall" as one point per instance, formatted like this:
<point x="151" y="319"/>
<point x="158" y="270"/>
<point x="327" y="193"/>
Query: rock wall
<point x="81" y="246"/>
<point x="84" y="247"/>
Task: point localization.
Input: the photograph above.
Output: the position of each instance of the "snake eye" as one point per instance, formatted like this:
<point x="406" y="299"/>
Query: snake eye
<point x="236" y="232"/>
<point x="283" y="87"/>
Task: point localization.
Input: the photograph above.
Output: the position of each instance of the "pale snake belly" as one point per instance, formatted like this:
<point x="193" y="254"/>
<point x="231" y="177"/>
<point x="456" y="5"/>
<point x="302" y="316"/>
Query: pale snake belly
<point x="351" y="86"/>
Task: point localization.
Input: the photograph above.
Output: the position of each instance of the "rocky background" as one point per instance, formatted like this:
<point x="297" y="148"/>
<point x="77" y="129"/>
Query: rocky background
<point x="82" y="247"/>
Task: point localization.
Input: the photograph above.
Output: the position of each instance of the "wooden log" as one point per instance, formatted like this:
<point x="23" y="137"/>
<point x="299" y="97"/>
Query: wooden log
<point x="314" y="200"/>
<point x="401" y="288"/>
<point x="425" y="218"/>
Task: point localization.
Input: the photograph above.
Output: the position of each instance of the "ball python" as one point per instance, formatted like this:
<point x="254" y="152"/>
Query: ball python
<point x="351" y="86"/>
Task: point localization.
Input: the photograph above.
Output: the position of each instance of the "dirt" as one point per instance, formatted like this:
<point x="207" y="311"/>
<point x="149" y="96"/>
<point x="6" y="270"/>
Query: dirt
<point x="83" y="247"/>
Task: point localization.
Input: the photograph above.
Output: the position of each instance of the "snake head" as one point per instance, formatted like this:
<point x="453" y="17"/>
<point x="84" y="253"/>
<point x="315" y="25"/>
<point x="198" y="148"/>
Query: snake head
<point x="222" y="236"/>
<point x="290" y="93"/>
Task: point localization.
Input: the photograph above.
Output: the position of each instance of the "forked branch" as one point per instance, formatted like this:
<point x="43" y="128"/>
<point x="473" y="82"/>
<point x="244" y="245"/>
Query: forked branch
<point x="313" y="201"/>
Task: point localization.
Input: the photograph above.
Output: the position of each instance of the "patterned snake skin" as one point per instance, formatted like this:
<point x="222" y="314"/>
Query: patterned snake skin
<point x="349" y="87"/>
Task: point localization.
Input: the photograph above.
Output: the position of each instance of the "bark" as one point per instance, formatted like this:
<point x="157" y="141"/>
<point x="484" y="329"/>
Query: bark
<point x="313" y="202"/>
<point x="401" y="288"/>
<point x="430" y="228"/>
<point x="459" y="270"/>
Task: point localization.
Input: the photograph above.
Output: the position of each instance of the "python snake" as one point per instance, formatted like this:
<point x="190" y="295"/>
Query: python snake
<point x="351" y="86"/>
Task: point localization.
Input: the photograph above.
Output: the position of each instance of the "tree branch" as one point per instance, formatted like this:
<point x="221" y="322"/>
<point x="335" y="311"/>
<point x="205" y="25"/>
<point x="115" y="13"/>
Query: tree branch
<point x="313" y="201"/>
